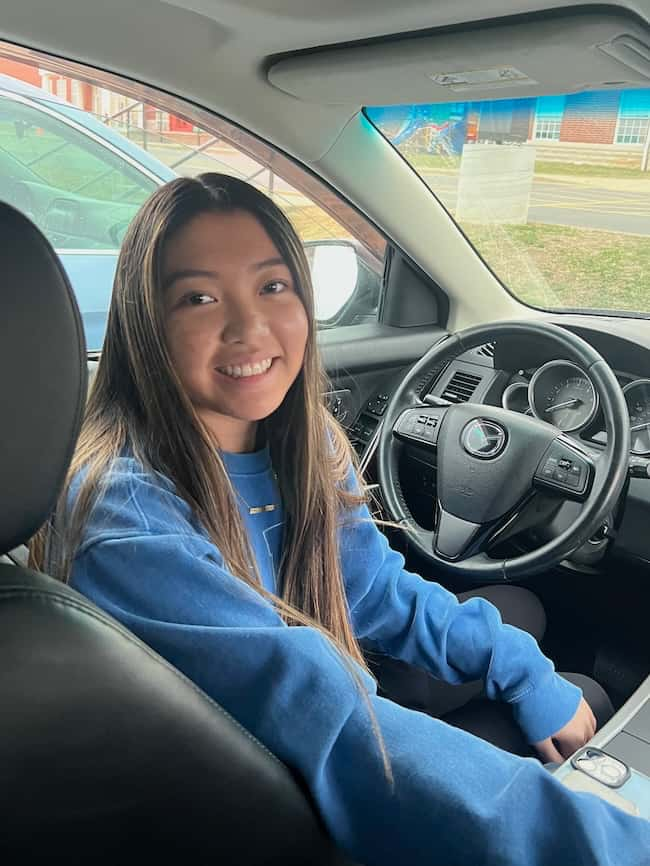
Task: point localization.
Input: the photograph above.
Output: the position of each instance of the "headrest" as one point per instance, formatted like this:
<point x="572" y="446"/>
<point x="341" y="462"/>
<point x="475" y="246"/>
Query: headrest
<point x="42" y="377"/>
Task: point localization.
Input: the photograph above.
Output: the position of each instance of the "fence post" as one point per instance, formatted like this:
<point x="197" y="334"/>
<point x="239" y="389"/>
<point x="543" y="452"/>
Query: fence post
<point x="646" y="149"/>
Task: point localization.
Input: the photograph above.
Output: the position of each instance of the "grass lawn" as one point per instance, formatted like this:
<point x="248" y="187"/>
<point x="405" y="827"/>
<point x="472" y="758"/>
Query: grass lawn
<point x="431" y="161"/>
<point x="438" y="163"/>
<point x="576" y="169"/>
<point x="312" y="223"/>
<point x="556" y="266"/>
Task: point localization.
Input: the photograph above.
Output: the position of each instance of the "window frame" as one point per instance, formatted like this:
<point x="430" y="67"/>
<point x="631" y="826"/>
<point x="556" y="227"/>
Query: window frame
<point x="359" y="226"/>
<point x="300" y="176"/>
<point x="643" y="123"/>
<point x="546" y="122"/>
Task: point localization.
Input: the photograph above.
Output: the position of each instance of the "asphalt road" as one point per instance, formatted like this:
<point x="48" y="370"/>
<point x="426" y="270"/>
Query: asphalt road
<point x="567" y="204"/>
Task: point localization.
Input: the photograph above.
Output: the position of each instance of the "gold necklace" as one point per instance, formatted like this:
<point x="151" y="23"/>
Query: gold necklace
<point x="260" y="509"/>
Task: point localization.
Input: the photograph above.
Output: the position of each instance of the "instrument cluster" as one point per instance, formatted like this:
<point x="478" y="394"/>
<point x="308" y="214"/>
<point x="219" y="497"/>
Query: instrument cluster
<point x="562" y="394"/>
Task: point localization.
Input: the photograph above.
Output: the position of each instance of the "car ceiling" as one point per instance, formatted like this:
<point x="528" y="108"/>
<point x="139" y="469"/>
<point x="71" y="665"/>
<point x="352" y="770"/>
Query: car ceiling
<point x="216" y="53"/>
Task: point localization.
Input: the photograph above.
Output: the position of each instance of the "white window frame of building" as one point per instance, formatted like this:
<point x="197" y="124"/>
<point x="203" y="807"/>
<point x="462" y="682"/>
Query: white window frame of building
<point x="631" y="129"/>
<point x="547" y="128"/>
<point x="548" y="123"/>
<point x="76" y="96"/>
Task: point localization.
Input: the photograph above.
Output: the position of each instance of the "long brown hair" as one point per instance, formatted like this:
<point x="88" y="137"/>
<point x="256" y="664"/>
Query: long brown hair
<point x="137" y="400"/>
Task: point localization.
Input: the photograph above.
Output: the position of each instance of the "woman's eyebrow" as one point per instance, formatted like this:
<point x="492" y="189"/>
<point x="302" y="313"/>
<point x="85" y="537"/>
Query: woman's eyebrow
<point x="186" y="274"/>
<point x="267" y="263"/>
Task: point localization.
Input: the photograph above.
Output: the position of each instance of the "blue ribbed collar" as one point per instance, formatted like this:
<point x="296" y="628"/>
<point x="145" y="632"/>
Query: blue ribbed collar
<point x="249" y="463"/>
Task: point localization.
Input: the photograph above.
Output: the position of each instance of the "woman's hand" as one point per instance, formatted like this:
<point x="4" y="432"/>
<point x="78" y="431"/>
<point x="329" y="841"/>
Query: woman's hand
<point x="571" y="737"/>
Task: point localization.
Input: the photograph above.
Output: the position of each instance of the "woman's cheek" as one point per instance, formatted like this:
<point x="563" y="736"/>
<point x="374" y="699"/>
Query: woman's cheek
<point x="295" y="327"/>
<point x="186" y="344"/>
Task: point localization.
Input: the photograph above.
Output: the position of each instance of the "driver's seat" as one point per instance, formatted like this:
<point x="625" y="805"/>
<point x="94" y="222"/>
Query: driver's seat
<point x="107" y="753"/>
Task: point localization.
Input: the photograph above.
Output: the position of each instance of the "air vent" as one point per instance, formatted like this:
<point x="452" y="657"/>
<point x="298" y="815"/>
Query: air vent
<point x="461" y="387"/>
<point x="487" y="349"/>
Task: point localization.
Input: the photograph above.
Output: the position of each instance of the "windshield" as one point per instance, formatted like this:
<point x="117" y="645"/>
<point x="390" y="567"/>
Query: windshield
<point x="553" y="192"/>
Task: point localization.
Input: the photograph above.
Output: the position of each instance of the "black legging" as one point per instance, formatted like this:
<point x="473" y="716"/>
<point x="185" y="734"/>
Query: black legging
<point x="465" y="706"/>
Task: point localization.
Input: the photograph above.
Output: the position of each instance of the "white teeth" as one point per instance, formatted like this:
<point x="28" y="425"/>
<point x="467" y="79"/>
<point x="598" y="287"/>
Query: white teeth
<point x="238" y="372"/>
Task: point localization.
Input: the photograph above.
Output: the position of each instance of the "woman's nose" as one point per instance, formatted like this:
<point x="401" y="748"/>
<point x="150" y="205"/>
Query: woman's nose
<point x="243" y="323"/>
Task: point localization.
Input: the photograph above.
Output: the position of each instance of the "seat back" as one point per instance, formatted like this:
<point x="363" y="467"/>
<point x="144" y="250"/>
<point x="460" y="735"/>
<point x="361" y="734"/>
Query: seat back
<point x="107" y="753"/>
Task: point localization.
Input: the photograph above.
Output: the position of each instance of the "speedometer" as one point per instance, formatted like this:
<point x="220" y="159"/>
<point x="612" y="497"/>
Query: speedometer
<point x="637" y="397"/>
<point x="563" y="395"/>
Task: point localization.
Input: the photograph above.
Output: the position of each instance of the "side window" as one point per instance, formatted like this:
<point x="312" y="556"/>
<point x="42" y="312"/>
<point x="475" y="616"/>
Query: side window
<point x="59" y="167"/>
<point x="79" y="158"/>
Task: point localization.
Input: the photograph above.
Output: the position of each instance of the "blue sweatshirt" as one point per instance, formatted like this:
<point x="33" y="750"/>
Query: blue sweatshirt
<point x="455" y="799"/>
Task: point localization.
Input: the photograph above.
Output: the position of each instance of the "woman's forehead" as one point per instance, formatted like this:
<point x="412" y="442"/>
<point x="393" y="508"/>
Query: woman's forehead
<point x="235" y="237"/>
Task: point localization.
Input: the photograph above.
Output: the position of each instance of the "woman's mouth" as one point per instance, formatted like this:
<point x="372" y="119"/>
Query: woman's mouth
<point x="246" y="371"/>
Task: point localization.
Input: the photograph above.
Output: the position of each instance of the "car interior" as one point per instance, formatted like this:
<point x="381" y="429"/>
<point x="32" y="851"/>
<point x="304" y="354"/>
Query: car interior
<point x="507" y="434"/>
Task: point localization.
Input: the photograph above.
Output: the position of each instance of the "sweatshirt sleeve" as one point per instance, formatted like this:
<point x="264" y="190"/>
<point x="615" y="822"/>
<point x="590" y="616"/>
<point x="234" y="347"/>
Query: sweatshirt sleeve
<point x="290" y="689"/>
<point x="420" y="622"/>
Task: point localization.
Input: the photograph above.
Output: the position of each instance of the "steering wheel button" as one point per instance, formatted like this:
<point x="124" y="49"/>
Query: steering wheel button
<point x="560" y="475"/>
<point x="573" y="480"/>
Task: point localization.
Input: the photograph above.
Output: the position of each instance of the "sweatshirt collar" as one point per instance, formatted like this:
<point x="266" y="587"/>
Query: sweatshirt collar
<point x="249" y="463"/>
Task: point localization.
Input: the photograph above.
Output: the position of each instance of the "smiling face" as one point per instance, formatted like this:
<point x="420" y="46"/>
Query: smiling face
<point x="235" y="325"/>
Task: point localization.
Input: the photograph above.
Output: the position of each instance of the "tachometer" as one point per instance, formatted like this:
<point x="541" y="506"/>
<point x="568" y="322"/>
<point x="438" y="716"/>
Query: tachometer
<point x="515" y="398"/>
<point x="637" y="397"/>
<point x="562" y="394"/>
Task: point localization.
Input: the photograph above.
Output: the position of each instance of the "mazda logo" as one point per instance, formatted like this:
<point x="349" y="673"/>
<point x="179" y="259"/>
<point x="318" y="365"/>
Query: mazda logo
<point x="485" y="439"/>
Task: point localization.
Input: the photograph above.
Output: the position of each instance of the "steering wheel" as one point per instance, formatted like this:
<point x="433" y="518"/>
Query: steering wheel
<point x="491" y="462"/>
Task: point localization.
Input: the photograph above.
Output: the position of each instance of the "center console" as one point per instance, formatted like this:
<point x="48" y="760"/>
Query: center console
<point x="615" y="764"/>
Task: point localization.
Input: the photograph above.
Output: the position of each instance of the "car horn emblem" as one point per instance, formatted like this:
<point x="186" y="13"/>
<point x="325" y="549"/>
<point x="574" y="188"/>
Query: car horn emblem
<point x="484" y="439"/>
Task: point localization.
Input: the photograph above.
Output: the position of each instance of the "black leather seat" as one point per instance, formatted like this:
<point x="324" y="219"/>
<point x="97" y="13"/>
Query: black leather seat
<point x="107" y="753"/>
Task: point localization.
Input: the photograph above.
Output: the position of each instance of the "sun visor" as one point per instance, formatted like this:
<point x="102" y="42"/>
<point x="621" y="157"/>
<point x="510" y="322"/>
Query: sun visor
<point x="524" y="56"/>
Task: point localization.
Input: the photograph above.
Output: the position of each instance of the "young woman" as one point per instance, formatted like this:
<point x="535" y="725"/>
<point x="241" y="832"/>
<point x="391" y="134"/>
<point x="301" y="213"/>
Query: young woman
<point x="213" y="508"/>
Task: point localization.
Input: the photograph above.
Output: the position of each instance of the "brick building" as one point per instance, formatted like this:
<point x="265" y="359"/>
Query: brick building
<point x="104" y="104"/>
<point x="602" y="117"/>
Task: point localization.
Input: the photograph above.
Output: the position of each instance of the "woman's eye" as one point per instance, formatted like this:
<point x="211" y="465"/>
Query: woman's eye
<point x="274" y="287"/>
<point x="199" y="300"/>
